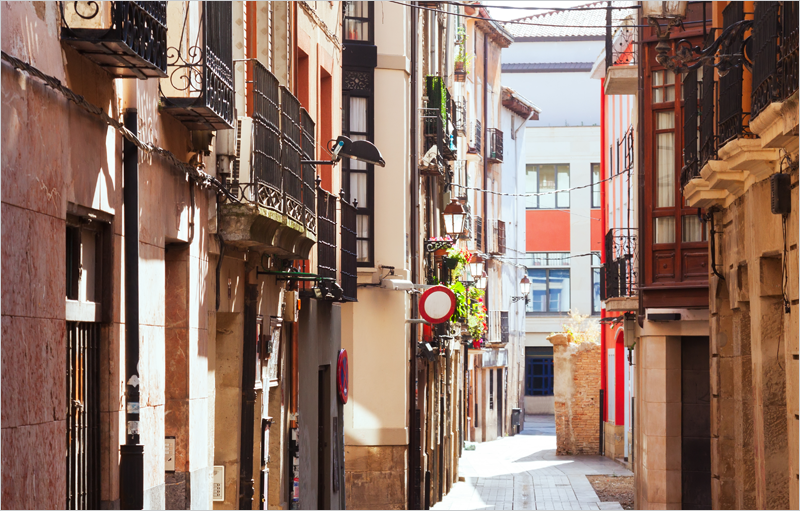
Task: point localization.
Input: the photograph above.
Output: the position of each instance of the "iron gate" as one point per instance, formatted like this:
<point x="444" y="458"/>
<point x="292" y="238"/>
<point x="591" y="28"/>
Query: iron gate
<point x="83" y="415"/>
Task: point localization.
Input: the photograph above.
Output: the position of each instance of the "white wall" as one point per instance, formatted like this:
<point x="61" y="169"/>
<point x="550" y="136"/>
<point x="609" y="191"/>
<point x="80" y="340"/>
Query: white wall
<point x="579" y="147"/>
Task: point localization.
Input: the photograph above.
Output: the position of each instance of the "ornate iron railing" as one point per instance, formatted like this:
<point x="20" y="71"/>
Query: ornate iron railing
<point x="291" y="152"/>
<point x="326" y="239"/>
<point x="733" y="121"/>
<point x="690" y="168"/>
<point x="265" y="159"/>
<point x="789" y="49"/>
<point x="477" y="233"/>
<point x="622" y="51"/>
<point x="435" y="132"/>
<point x="199" y="88"/>
<point x="478" y="142"/>
<point x="495" y="153"/>
<point x="460" y="109"/>
<point x="766" y="81"/>
<point x="708" y="142"/>
<point x="618" y="275"/>
<point x="349" y="261"/>
<point x="309" y="171"/>
<point x="130" y="41"/>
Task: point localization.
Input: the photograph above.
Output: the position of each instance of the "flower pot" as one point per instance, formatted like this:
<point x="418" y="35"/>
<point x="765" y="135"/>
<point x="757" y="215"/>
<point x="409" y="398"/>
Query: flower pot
<point x="450" y="262"/>
<point x="459" y="72"/>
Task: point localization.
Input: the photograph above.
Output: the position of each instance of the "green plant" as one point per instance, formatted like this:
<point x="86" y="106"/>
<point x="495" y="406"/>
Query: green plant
<point x="463" y="56"/>
<point x="461" y="258"/>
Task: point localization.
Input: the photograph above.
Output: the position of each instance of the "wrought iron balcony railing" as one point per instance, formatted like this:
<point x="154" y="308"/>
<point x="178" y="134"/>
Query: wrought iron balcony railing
<point x="127" y="39"/>
<point x="291" y="155"/>
<point x="498" y="327"/>
<point x="691" y="167"/>
<point x="495" y="139"/>
<point x="349" y="256"/>
<point x="477" y="138"/>
<point x="477" y="233"/>
<point x="788" y="63"/>
<point x="733" y="121"/>
<point x="766" y="80"/>
<point x="198" y="90"/>
<point x="309" y="171"/>
<point x="435" y="132"/>
<point x="326" y="239"/>
<point x="708" y="142"/>
<point x="618" y="276"/>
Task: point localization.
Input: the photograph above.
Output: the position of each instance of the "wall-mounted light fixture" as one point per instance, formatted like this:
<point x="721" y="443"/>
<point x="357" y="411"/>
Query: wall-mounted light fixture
<point x="360" y="150"/>
<point x="524" y="288"/>
<point x="455" y="217"/>
<point x="725" y="52"/>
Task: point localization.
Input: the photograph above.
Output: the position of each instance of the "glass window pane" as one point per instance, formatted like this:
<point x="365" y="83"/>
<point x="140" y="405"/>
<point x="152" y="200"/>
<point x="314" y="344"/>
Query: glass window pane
<point x="559" y="291"/>
<point x="362" y="251"/>
<point x="596" y="185"/>
<point x="691" y="228"/>
<point x="665" y="120"/>
<point x="547" y="183"/>
<point x="665" y="170"/>
<point x="669" y="93"/>
<point x="538" y="290"/>
<point x="664" y="229"/>
<point x="358" y="114"/>
<point x="658" y="95"/>
<point x="358" y="188"/>
<point x="531" y="177"/>
<point x="670" y="77"/>
<point x="538" y="258"/>
<point x="658" y="78"/>
<point x="355" y="164"/>
<point x="563" y="184"/>
<point x="596" y="289"/>
<point x="357" y="30"/>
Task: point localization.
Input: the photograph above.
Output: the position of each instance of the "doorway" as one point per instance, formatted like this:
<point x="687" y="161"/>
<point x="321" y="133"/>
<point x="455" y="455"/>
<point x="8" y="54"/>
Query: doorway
<point x="500" y="399"/>
<point x="323" y="433"/>
<point x="695" y="423"/>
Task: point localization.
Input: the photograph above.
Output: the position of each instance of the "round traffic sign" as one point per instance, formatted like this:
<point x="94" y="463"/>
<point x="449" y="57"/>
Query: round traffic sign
<point x="437" y="304"/>
<point x="341" y="375"/>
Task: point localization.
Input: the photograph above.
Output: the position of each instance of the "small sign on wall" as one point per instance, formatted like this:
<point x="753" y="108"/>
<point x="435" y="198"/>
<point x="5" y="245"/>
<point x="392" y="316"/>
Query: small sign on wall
<point x="169" y="454"/>
<point x="218" y="486"/>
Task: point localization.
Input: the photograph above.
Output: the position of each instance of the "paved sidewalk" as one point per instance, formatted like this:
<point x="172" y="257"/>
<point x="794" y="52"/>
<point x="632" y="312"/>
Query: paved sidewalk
<point x="523" y="472"/>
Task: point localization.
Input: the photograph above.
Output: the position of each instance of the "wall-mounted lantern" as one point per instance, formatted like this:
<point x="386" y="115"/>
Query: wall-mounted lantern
<point x="454" y="218"/>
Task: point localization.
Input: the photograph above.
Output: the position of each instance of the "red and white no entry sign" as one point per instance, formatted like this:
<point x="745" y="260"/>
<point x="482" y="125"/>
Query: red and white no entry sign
<point x="437" y="304"/>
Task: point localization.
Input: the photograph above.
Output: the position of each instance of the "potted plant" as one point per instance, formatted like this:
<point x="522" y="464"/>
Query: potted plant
<point x="462" y="61"/>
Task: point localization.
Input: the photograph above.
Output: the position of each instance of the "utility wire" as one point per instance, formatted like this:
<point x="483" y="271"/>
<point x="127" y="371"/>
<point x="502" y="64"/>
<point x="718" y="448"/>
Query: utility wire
<point x="201" y="178"/>
<point x="533" y="194"/>
<point x="549" y="9"/>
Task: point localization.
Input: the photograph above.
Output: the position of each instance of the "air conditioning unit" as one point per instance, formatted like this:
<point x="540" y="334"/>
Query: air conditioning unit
<point x="244" y="153"/>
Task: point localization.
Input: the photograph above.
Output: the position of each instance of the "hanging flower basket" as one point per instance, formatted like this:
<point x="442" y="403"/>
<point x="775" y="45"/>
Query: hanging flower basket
<point x="460" y="72"/>
<point x="450" y="262"/>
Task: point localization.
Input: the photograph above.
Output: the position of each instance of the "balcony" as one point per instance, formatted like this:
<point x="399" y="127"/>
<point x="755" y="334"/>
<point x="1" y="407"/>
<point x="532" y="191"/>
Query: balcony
<point x="495" y="139"/>
<point x="460" y="115"/>
<point x="329" y="249"/>
<point x="477" y="233"/>
<point x="198" y="90"/>
<point x="618" y="277"/>
<point x="498" y="332"/>
<point x="732" y="121"/>
<point x="621" y="67"/>
<point x="127" y="39"/>
<point x="271" y="211"/>
<point x="476" y="145"/>
<point x="691" y="142"/>
<point x="348" y="256"/>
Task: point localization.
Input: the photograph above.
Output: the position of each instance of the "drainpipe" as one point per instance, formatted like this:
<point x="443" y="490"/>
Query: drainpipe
<point x="604" y="171"/>
<point x="246" y="482"/>
<point x="414" y="441"/>
<point x="485" y="130"/>
<point x="131" y="467"/>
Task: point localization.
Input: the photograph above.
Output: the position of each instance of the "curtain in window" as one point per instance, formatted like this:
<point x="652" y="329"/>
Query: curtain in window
<point x="664" y="229"/>
<point x="357" y="30"/>
<point x="362" y="236"/>
<point x="665" y="161"/>
<point x="358" y="188"/>
<point x="691" y="229"/>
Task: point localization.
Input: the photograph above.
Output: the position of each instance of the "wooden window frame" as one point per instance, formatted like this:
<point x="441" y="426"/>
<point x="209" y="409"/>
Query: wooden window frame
<point x="370" y="20"/>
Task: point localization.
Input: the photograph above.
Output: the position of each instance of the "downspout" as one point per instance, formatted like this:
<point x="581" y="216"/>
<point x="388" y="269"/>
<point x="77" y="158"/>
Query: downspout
<point x="131" y="466"/>
<point x="483" y="150"/>
<point x="246" y="482"/>
<point x="641" y="64"/>
<point x="414" y="450"/>
<point x="603" y="230"/>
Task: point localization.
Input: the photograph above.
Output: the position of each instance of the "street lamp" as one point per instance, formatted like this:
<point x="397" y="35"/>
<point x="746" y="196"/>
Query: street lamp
<point x="476" y="265"/>
<point x="467" y="278"/>
<point x="525" y="289"/>
<point x="360" y="150"/>
<point x="480" y="282"/>
<point x="688" y="56"/>
<point x="454" y="218"/>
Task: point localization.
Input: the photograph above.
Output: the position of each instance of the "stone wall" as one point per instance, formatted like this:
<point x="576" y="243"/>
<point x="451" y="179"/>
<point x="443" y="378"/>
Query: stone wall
<point x="577" y="395"/>
<point x="375" y="476"/>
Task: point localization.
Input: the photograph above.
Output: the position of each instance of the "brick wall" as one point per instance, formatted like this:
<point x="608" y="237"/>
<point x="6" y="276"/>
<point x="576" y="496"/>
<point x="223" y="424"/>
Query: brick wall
<point x="577" y="395"/>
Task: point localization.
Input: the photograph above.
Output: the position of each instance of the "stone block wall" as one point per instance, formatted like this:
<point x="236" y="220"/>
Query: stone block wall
<point x="577" y="395"/>
<point x="375" y="476"/>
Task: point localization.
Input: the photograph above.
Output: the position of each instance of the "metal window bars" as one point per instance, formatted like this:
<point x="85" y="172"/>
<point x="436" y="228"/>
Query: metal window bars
<point x="789" y="64"/>
<point x="349" y="261"/>
<point x="495" y="139"/>
<point x="291" y="131"/>
<point x="460" y="116"/>
<point x="690" y="168"/>
<point x="199" y="88"/>
<point x="326" y="238"/>
<point x="733" y="121"/>
<point x="309" y="171"/>
<point x="83" y="416"/>
<point x="127" y="39"/>
<point x="619" y="274"/>
<point x="266" y="174"/>
<point x="708" y="142"/>
<point x="766" y="80"/>
<point x="477" y="141"/>
<point x="477" y="233"/>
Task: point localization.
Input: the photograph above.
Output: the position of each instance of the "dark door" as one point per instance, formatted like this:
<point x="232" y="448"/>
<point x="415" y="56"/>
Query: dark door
<point x="695" y="424"/>
<point x="500" y="396"/>
<point x="323" y="419"/>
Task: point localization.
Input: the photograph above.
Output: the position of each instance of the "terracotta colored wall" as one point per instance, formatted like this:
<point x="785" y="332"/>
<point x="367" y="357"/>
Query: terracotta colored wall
<point x="547" y="230"/>
<point x="597" y="230"/>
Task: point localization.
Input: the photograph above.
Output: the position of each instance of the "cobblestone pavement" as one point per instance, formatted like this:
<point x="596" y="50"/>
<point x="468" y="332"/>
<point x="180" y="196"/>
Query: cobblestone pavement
<point x="523" y="472"/>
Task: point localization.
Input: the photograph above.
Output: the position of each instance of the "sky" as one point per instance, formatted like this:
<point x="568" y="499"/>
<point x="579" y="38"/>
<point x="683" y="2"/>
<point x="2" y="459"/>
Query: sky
<point x="509" y="14"/>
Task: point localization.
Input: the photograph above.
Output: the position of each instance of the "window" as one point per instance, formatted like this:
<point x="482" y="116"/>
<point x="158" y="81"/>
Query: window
<point x="595" y="185"/>
<point x="663" y="86"/>
<point x="357" y="25"/>
<point x="547" y="179"/>
<point x="538" y="371"/>
<point x="358" y="175"/>
<point x="665" y="159"/>
<point x="596" y="303"/>
<point x="549" y="283"/>
<point x="693" y="229"/>
<point x="491" y="389"/>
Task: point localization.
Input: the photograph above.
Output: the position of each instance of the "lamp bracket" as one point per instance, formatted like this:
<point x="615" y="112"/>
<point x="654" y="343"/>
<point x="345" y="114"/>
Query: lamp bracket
<point x="724" y="53"/>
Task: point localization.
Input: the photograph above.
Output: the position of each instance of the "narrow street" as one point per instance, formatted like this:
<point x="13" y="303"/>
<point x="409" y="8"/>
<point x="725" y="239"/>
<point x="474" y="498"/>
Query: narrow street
<point x="523" y="472"/>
